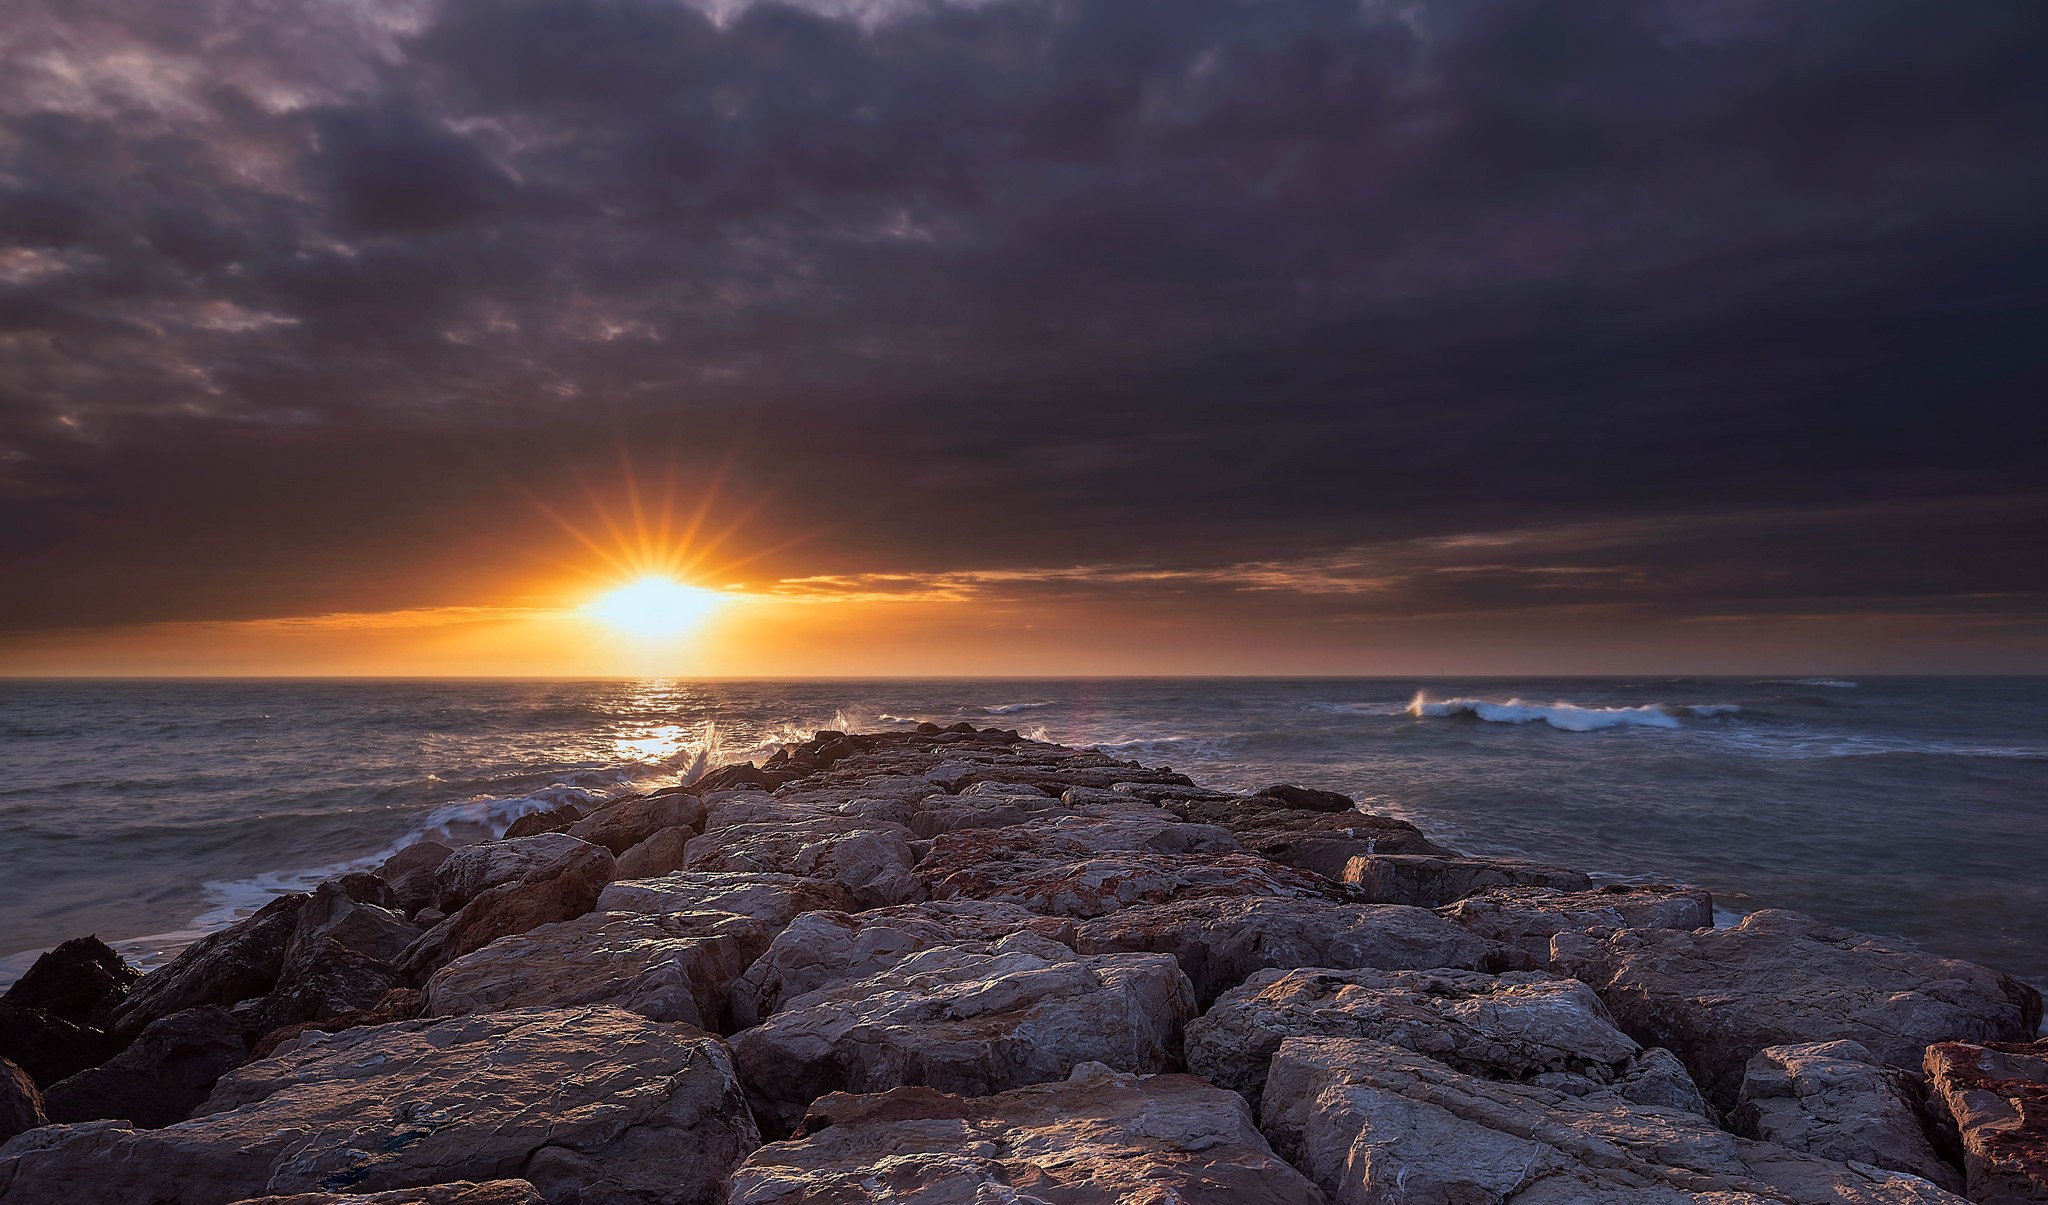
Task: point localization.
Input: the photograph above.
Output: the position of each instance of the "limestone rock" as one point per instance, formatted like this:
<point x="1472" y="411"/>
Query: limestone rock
<point x="21" y="1103"/>
<point x="670" y="966"/>
<point x="81" y="981"/>
<point x="1836" y="1100"/>
<point x="1371" y="1122"/>
<point x="1430" y="880"/>
<point x="590" y="1105"/>
<point x="1715" y="997"/>
<point x="1102" y="883"/>
<point x="974" y="1018"/>
<point x="470" y="871"/>
<point x="1996" y="1097"/>
<point x="1524" y="919"/>
<point x="160" y="1078"/>
<point x="1099" y="1136"/>
<point x="461" y="1192"/>
<point x="222" y="968"/>
<point x="774" y="899"/>
<point x="1221" y="940"/>
<point x="411" y="873"/>
<point x="620" y="826"/>
<point x="871" y="860"/>
<point x="561" y="888"/>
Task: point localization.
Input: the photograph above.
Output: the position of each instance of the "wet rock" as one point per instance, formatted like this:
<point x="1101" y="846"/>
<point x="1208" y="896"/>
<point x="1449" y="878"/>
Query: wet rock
<point x="398" y="1004"/>
<point x="621" y="826"/>
<point x="1221" y="941"/>
<point x="81" y="981"/>
<point x="462" y="1192"/>
<point x="1430" y="881"/>
<point x="222" y="968"/>
<point x="411" y="873"/>
<point x="774" y="899"/>
<point x="670" y="966"/>
<point x="1995" y="1095"/>
<point x="1370" y="1121"/>
<point x="1099" y="1136"/>
<point x="562" y="888"/>
<point x="1716" y="997"/>
<point x="470" y="871"/>
<point x="48" y="1047"/>
<point x="160" y="1078"/>
<point x="1304" y="799"/>
<point x="1102" y="883"/>
<point x="21" y="1103"/>
<point x="1521" y="1026"/>
<point x="871" y="860"/>
<point x="588" y="1105"/>
<point x="823" y="949"/>
<point x="1318" y="841"/>
<point x="1836" y="1100"/>
<point x="661" y="852"/>
<point x="974" y="1018"/>
<point x="1524" y="919"/>
<point x="742" y="777"/>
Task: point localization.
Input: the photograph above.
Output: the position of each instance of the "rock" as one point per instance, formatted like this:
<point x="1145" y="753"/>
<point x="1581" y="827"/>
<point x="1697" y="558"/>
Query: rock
<point x="669" y="966"/>
<point x="471" y="871"/>
<point x="660" y="853"/>
<point x="398" y="1004"/>
<point x="410" y="872"/>
<point x="1220" y="941"/>
<point x="1102" y="883"/>
<point x="21" y="1104"/>
<point x="560" y="889"/>
<point x="1430" y="881"/>
<point x="1835" y="1100"/>
<point x="1716" y="997"/>
<point x="222" y="968"/>
<point x="974" y="1018"/>
<point x="1099" y="1136"/>
<point x="162" y="1076"/>
<point x="1995" y="1095"/>
<point x="81" y="981"/>
<point x="462" y="1192"/>
<point x="774" y="899"/>
<point x="1270" y="829"/>
<point x="743" y="777"/>
<point x="823" y="949"/>
<point x="48" y="1047"/>
<point x="621" y="826"/>
<point x="334" y="916"/>
<point x="324" y="979"/>
<point x="1369" y="1121"/>
<point x="1524" y="919"/>
<point x="551" y="820"/>
<point x="589" y="1105"/>
<point x="1304" y="799"/>
<point x="871" y="860"/>
<point x="1521" y="1026"/>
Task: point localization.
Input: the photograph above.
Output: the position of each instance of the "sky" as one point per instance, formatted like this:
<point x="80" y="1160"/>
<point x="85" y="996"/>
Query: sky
<point x="1024" y="336"/>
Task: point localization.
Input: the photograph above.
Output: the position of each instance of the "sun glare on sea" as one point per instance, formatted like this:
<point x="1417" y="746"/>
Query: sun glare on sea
<point x="655" y="608"/>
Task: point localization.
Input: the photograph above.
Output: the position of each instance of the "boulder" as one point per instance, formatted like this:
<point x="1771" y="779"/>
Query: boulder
<point x="1304" y="799"/>
<point x="411" y="873"/>
<point x="398" y="1004"/>
<point x="821" y="949"/>
<point x="1263" y="825"/>
<point x="1098" y="1136"/>
<point x="81" y="981"/>
<point x="1220" y="940"/>
<point x="668" y="966"/>
<point x="1369" y="1121"/>
<point x="661" y="852"/>
<point x="1995" y="1096"/>
<point x="588" y="1105"/>
<point x="21" y="1103"/>
<point x="324" y="979"/>
<point x="742" y="777"/>
<point x="549" y="820"/>
<point x="620" y="826"/>
<point x="160" y="1078"/>
<point x="462" y="1192"/>
<point x="472" y="870"/>
<point x="1524" y="919"/>
<point x="559" y="889"/>
<point x="1431" y="880"/>
<point x="1836" y="1100"/>
<point x="974" y="1018"/>
<point x="47" y="1046"/>
<point x="871" y="860"/>
<point x="222" y="968"/>
<point x="774" y="899"/>
<point x="1716" y="997"/>
<point x="1102" y="883"/>
<point x="360" y="915"/>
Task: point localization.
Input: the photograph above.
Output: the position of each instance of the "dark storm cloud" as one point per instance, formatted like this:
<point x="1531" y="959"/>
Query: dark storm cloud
<point x="296" y="300"/>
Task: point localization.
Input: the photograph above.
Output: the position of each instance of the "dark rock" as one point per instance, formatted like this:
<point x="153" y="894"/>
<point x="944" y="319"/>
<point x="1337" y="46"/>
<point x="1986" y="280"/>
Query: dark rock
<point x="360" y="922"/>
<point x="457" y="1192"/>
<point x="21" y="1105"/>
<point x="1431" y="881"/>
<point x="162" y="1076"/>
<point x="80" y="981"/>
<point x="553" y="820"/>
<point x="47" y="1046"/>
<point x="1306" y="799"/>
<point x="322" y="979"/>
<point x="410" y="872"/>
<point x="222" y="968"/>
<point x="743" y="777"/>
<point x="398" y="1004"/>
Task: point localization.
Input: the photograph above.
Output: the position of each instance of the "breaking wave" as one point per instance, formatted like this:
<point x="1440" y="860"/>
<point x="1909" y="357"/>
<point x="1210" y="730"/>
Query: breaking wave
<point x="1014" y="708"/>
<point x="1832" y="683"/>
<point x="1568" y="717"/>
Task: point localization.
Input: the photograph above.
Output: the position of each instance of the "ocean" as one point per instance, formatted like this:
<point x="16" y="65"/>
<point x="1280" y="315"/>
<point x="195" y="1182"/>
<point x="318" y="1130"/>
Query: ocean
<point x="1914" y="808"/>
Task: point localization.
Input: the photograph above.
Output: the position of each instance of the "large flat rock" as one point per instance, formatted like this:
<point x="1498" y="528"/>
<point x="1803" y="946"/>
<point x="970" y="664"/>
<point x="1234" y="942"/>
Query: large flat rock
<point x="772" y="898"/>
<point x="589" y="1105"/>
<point x="872" y="860"/>
<point x="1525" y="919"/>
<point x="1085" y="885"/>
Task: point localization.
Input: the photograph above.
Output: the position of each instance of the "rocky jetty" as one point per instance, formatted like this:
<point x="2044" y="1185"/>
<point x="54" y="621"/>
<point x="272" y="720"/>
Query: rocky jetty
<point x="955" y="965"/>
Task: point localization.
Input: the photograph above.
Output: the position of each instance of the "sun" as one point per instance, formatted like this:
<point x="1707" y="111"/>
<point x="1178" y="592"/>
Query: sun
<point x="655" y="608"/>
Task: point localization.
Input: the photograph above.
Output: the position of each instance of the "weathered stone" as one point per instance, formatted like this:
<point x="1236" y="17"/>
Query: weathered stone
<point x="556" y="890"/>
<point x="1304" y="799"/>
<point x="669" y="966"/>
<point x="81" y="981"/>
<point x="1371" y="1122"/>
<point x="1836" y="1100"/>
<point x="324" y="979"/>
<point x="472" y="870"/>
<point x="1220" y="941"/>
<point x="1098" y="1136"/>
<point x="1430" y="881"/>
<point x="21" y="1103"/>
<point x="620" y="826"/>
<point x="462" y="1192"/>
<point x="1102" y="883"/>
<point x="1995" y="1095"/>
<point x="411" y="873"/>
<point x="335" y="916"/>
<point x="48" y="1047"/>
<point x="222" y="968"/>
<point x="661" y="852"/>
<point x="589" y="1105"/>
<point x="1524" y="919"/>
<point x="774" y="899"/>
<point x="871" y="860"/>
<point x="549" y="820"/>
<point x="1717" y="996"/>
<point x="398" y="1004"/>
<point x="975" y="1018"/>
<point x="1518" y="1027"/>
<point x="162" y="1076"/>
<point x="742" y="777"/>
<point x="821" y="949"/>
<point x="1270" y="829"/>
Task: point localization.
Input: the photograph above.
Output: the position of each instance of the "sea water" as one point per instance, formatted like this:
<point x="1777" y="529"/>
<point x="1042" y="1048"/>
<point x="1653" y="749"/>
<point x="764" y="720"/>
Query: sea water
<point x="1915" y="808"/>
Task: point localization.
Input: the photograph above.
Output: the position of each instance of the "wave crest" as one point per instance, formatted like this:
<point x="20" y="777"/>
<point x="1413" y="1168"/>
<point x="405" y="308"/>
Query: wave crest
<point x="1568" y="717"/>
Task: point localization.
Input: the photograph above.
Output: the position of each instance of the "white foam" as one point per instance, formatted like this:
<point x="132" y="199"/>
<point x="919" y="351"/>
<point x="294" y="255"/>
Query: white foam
<point x="1832" y="683"/>
<point x="1014" y="708"/>
<point x="1568" y="717"/>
